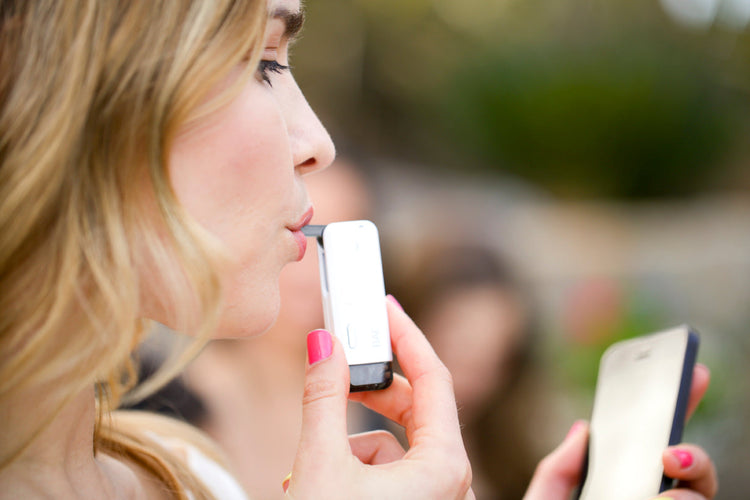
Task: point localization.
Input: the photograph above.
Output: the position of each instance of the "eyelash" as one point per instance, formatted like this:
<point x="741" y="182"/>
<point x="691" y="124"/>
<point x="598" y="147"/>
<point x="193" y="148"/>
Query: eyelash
<point x="266" y="67"/>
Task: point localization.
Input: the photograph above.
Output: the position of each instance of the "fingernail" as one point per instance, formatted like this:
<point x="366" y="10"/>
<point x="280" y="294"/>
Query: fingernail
<point x="703" y="367"/>
<point x="664" y="498"/>
<point x="684" y="456"/>
<point x="319" y="346"/>
<point x="285" y="482"/>
<point x="577" y="426"/>
<point x="393" y="299"/>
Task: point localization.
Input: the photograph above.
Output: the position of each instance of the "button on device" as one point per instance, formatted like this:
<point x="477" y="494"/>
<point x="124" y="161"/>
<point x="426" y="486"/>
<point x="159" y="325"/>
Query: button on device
<point x="374" y="338"/>
<point x="351" y="335"/>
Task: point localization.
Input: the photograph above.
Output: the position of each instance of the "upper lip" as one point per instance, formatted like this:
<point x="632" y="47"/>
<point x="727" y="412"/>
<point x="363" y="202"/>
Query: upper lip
<point x="303" y="221"/>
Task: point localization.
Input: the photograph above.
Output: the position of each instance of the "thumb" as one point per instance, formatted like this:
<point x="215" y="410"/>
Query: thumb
<point x="558" y="474"/>
<point x="323" y="441"/>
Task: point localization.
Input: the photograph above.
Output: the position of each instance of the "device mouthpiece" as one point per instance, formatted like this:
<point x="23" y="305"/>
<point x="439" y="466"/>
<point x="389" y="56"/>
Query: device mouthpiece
<point x="313" y="230"/>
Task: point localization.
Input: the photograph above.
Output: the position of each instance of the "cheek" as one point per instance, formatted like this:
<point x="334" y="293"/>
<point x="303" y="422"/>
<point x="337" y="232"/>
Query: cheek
<point x="233" y="174"/>
<point x="226" y="172"/>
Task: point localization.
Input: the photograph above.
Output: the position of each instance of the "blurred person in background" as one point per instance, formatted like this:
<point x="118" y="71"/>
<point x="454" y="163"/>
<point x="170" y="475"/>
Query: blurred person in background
<point x="479" y="321"/>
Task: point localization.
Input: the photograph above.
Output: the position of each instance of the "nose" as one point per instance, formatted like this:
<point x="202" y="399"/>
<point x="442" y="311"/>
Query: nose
<point x="312" y="147"/>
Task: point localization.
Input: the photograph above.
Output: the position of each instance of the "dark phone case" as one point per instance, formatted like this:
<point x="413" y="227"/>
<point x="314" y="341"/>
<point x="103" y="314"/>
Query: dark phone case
<point x="683" y="396"/>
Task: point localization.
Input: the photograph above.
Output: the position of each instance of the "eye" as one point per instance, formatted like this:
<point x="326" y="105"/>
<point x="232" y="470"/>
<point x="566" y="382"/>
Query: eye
<point x="266" y="67"/>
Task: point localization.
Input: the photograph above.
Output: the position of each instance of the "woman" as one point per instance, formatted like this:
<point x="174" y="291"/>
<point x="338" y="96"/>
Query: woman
<point x="151" y="163"/>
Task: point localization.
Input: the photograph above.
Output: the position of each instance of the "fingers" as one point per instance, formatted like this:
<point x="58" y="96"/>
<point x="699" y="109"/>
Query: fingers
<point x="687" y="463"/>
<point x="329" y="465"/>
<point x="470" y="495"/>
<point x="699" y="386"/>
<point x="693" y="468"/>
<point x="432" y="409"/>
<point x="559" y="473"/>
<point x="393" y="403"/>
<point x="424" y="404"/>
<point x="680" y="494"/>
<point x="420" y="364"/>
<point x="323" y="407"/>
<point x="376" y="447"/>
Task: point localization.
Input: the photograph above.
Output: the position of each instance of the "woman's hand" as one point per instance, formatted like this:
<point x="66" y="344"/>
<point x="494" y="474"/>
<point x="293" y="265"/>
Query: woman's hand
<point x="331" y="465"/>
<point x="559" y="473"/>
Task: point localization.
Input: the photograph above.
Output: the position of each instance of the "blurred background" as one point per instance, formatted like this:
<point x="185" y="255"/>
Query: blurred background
<point x="599" y="148"/>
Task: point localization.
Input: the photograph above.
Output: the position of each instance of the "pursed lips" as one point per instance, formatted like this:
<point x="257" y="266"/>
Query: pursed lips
<point x="303" y="221"/>
<point x="299" y="237"/>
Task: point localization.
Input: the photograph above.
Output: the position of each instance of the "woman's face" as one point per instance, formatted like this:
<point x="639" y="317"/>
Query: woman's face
<point x="239" y="174"/>
<point x="476" y="330"/>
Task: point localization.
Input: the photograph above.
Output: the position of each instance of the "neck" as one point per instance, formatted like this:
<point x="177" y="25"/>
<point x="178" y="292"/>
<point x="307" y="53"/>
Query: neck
<point x="280" y="354"/>
<point x="249" y="368"/>
<point x="58" y="429"/>
<point x="261" y="381"/>
<point x="59" y="460"/>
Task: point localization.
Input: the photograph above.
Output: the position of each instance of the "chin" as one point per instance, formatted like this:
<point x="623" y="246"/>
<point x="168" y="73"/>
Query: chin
<point x="244" y="321"/>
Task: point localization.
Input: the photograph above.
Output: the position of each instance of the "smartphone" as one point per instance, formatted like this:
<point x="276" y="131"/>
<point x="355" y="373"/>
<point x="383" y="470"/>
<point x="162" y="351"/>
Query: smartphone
<point x="353" y="290"/>
<point x="640" y="406"/>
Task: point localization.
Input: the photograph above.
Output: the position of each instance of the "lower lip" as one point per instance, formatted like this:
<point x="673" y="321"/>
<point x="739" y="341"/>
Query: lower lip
<point x="301" y="240"/>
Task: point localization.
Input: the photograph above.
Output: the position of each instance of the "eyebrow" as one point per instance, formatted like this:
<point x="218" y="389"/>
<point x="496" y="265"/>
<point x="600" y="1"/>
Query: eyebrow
<point x="292" y="20"/>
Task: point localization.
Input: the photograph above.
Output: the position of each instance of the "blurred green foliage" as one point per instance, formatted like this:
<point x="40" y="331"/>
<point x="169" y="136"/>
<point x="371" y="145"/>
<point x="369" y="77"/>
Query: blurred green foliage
<point x="612" y="121"/>
<point x="587" y="98"/>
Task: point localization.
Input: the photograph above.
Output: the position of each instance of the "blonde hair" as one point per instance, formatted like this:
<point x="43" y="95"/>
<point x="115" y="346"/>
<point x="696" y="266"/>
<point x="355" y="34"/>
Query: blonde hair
<point x="92" y="94"/>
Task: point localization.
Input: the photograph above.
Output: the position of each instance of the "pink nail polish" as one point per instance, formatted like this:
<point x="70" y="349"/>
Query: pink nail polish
<point x="393" y="299"/>
<point x="684" y="456"/>
<point x="319" y="346"/>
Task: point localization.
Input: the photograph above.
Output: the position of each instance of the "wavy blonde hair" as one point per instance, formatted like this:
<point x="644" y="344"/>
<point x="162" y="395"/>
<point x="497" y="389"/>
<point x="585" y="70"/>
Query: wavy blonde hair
<point x="92" y="94"/>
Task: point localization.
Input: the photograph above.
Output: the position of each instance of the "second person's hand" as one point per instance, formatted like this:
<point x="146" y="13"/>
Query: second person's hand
<point x="559" y="473"/>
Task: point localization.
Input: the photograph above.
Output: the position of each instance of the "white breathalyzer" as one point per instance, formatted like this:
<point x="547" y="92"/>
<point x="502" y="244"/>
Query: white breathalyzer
<point x="353" y="290"/>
